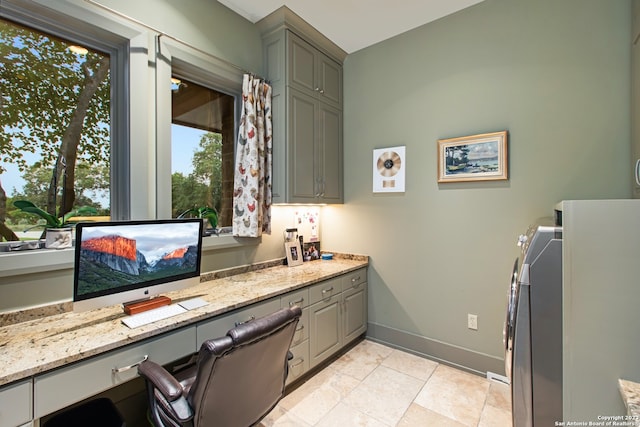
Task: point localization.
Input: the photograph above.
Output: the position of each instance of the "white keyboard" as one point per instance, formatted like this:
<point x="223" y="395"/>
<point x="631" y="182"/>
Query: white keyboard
<point x="153" y="315"/>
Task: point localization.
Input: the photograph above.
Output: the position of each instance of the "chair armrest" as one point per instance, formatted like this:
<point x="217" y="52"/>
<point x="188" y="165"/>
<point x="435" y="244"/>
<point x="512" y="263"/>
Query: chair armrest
<point x="176" y="405"/>
<point x="162" y="380"/>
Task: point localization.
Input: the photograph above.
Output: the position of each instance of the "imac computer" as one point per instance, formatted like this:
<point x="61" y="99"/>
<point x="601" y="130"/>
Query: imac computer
<point x="129" y="261"/>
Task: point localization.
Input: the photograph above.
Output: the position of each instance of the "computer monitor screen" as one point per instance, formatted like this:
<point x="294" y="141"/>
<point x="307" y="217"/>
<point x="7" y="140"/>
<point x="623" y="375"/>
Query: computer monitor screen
<point x="120" y="262"/>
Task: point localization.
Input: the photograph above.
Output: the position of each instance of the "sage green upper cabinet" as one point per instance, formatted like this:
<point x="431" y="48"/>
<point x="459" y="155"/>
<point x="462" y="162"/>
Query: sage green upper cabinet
<point x="305" y="72"/>
<point x="312" y="71"/>
<point x="315" y="168"/>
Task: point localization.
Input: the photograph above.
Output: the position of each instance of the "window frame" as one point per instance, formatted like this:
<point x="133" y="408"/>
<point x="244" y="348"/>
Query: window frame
<point x="175" y="58"/>
<point x="141" y="113"/>
<point x="117" y="47"/>
<point x="128" y="47"/>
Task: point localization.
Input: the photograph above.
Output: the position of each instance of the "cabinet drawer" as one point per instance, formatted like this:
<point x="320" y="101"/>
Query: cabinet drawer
<point x="60" y="388"/>
<point x="302" y="330"/>
<point x="354" y="279"/>
<point x="219" y="326"/>
<point x="300" y="362"/>
<point x="299" y="298"/>
<point x="324" y="290"/>
<point x="15" y="404"/>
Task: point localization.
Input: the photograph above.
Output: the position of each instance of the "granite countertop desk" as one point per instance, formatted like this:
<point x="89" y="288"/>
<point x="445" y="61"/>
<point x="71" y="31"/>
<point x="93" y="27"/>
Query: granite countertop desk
<point x="630" y="392"/>
<point x="31" y="347"/>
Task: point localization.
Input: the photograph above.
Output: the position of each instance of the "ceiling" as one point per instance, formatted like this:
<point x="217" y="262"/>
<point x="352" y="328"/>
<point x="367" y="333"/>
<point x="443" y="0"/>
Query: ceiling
<point x="355" y="24"/>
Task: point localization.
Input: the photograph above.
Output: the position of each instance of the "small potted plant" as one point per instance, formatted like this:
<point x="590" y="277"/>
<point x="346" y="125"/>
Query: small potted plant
<point x="204" y="213"/>
<point x="57" y="229"/>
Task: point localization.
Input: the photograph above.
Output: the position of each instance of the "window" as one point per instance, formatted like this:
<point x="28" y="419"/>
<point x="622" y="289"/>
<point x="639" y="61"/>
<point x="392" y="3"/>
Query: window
<point x="198" y="107"/>
<point x="202" y="146"/>
<point x="55" y="145"/>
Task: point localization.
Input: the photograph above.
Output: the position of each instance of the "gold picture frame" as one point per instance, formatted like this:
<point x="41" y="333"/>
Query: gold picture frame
<point x="481" y="157"/>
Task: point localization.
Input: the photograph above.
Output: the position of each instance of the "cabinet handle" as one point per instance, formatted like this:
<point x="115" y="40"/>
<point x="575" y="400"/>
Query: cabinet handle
<point x="246" y="321"/>
<point x="298" y="363"/>
<point x="637" y="172"/>
<point x="355" y="279"/>
<point x="318" y="187"/>
<point x="324" y="291"/>
<point x="298" y="302"/>
<point x="299" y="328"/>
<point x="126" y="368"/>
<point x="322" y="91"/>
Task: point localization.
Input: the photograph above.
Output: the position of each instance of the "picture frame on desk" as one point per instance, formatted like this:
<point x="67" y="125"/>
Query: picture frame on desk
<point x="293" y="252"/>
<point x="311" y="250"/>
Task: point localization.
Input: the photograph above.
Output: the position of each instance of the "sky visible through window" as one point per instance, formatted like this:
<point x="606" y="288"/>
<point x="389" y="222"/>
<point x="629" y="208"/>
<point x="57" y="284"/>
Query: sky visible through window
<point x="181" y="155"/>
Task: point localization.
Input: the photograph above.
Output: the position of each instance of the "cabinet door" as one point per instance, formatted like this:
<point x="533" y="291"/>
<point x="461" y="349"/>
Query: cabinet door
<point x="329" y="152"/>
<point x="312" y="71"/>
<point x="325" y="335"/>
<point x="355" y="312"/>
<point x="302" y="147"/>
<point x="330" y="80"/>
<point x="302" y="64"/>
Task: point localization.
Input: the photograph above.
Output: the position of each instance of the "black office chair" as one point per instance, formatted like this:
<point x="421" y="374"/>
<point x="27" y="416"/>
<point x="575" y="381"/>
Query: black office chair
<point x="237" y="380"/>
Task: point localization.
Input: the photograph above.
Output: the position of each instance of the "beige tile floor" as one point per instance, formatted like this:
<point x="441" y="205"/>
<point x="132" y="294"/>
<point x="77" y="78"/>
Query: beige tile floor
<point x="374" y="385"/>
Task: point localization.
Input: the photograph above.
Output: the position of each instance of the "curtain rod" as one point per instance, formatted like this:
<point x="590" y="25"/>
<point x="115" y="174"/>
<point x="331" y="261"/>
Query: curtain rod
<point x="162" y="33"/>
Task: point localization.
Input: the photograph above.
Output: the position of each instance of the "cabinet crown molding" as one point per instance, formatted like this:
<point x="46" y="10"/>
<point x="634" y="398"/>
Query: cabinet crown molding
<point x="287" y="19"/>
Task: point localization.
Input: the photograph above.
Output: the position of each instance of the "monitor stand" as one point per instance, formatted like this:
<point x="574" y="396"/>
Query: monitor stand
<point x="147" y="304"/>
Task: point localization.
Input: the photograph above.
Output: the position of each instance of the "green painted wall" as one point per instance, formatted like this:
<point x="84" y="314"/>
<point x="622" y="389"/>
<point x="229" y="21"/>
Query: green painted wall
<point x="204" y="24"/>
<point x="556" y="75"/>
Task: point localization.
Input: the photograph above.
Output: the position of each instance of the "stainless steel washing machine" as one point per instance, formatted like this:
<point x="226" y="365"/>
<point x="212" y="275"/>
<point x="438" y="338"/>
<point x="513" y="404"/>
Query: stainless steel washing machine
<point x="533" y="329"/>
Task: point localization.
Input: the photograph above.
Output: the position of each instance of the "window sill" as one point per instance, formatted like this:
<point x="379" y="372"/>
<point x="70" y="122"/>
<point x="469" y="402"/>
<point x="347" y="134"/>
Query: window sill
<point x="41" y="260"/>
<point x="227" y="241"/>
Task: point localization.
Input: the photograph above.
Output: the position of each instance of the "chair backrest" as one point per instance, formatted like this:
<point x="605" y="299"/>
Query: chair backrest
<point x="241" y="377"/>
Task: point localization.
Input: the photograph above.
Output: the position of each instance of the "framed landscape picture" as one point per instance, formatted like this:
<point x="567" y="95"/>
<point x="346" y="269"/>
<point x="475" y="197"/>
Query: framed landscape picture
<point x="481" y="157"/>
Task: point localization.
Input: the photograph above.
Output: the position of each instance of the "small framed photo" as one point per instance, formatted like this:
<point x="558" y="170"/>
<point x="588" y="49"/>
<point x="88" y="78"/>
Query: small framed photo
<point x="311" y="250"/>
<point x="481" y="157"/>
<point x="294" y="253"/>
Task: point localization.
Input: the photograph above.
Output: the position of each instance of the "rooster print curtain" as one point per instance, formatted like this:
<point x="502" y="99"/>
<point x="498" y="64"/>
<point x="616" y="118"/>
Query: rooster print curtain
<point x="252" y="178"/>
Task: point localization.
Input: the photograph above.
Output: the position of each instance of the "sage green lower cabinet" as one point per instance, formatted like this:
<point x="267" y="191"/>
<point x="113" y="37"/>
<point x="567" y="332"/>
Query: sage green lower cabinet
<point x="299" y="364"/>
<point x="334" y="313"/>
<point x="16" y="404"/>
<point x="354" y="297"/>
<point x="326" y="335"/>
<point x="60" y="388"/>
<point x="338" y="314"/>
<point x="354" y="312"/>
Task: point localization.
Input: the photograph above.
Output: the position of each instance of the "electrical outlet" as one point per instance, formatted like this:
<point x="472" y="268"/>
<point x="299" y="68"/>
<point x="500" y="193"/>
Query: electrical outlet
<point x="472" y="321"/>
